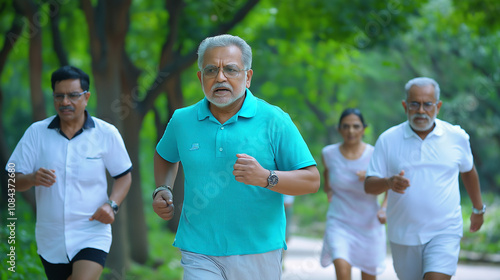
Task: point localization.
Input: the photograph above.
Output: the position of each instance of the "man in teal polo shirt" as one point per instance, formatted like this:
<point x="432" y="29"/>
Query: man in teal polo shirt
<point x="240" y="155"/>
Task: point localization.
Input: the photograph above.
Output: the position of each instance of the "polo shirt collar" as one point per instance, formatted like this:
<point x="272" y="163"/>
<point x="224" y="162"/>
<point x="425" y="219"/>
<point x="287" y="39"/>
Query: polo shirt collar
<point x="248" y="109"/>
<point x="56" y="124"/>
<point x="438" y="129"/>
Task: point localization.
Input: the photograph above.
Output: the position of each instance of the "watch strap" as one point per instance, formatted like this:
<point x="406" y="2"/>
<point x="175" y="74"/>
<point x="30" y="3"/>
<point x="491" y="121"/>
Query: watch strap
<point x="479" y="211"/>
<point x="272" y="180"/>
<point x="113" y="205"/>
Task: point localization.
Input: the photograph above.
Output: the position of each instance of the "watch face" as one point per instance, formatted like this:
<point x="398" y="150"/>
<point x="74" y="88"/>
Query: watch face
<point x="272" y="180"/>
<point x="113" y="205"/>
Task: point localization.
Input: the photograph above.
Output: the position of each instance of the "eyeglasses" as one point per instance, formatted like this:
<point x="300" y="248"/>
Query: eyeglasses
<point x="230" y="71"/>
<point x="74" y="96"/>
<point x="414" y="106"/>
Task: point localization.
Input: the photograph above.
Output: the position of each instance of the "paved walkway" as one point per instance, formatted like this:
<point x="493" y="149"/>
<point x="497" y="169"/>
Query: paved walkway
<point x="302" y="263"/>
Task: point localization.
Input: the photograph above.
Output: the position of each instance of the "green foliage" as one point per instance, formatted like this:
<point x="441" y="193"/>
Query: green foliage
<point x="361" y="23"/>
<point x="481" y="14"/>
<point x="311" y="58"/>
<point x="309" y="214"/>
<point x="487" y="239"/>
<point x="164" y="262"/>
<point x="27" y="262"/>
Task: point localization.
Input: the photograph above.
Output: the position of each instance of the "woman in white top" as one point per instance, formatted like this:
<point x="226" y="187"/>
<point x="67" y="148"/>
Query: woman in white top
<point x="355" y="231"/>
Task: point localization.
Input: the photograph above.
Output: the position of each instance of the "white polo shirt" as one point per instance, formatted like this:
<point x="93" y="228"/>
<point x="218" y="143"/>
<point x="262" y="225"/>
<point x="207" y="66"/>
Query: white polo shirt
<point x="431" y="205"/>
<point x="63" y="210"/>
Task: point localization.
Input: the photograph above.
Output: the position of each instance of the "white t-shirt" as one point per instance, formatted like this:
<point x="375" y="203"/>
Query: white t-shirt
<point x="63" y="210"/>
<point x="431" y="205"/>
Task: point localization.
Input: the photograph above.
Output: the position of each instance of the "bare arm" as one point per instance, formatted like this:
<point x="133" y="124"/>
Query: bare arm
<point x="296" y="182"/>
<point x="472" y="186"/>
<point x="41" y="177"/>
<point x="397" y="183"/>
<point x="121" y="186"/>
<point x="381" y="213"/>
<point x="384" y="202"/>
<point x="326" y="177"/>
<point x="376" y="185"/>
<point x="165" y="173"/>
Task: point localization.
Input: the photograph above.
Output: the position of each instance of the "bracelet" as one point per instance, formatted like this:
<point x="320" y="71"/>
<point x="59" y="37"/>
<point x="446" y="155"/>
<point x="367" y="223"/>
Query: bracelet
<point x="162" y="188"/>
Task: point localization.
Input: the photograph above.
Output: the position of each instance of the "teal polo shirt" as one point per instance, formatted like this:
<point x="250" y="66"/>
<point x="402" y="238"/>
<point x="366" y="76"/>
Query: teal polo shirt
<point x="220" y="216"/>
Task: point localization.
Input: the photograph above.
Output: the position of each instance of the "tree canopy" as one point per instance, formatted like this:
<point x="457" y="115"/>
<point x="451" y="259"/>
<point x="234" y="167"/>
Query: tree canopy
<point x="311" y="58"/>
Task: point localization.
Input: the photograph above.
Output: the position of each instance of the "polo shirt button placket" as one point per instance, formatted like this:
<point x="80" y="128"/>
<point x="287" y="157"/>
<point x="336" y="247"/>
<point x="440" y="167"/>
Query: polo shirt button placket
<point x="220" y="143"/>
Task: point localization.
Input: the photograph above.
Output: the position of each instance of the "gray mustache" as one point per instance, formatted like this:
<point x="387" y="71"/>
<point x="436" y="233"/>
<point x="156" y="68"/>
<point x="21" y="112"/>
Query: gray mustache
<point x="421" y="116"/>
<point x="66" y="108"/>
<point x="223" y="85"/>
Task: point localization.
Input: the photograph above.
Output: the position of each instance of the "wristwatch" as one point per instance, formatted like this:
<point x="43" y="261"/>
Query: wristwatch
<point x="113" y="205"/>
<point x="272" y="180"/>
<point x="479" y="212"/>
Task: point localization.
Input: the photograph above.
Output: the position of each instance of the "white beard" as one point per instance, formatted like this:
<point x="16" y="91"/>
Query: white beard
<point x="429" y="125"/>
<point x="225" y="101"/>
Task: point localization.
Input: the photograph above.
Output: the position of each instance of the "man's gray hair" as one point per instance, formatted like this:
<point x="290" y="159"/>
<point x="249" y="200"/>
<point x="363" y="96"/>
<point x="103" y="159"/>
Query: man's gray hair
<point x="225" y="41"/>
<point x="422" y="82"/>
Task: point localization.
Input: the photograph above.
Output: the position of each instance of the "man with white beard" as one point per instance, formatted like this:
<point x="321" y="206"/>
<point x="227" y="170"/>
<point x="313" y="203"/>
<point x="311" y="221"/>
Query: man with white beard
<point x="419" y="162"/>
<point x="240" y="155"/>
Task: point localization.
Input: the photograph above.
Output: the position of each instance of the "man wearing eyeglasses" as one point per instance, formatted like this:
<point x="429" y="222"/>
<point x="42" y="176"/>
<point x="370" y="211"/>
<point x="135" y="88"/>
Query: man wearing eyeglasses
<point x="240" y="155"/>
<point x="419" y="161"/>
<point x="65" y="157"/>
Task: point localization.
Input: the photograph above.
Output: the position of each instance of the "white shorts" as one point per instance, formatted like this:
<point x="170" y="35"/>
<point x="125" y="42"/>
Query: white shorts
<point x="440" y="255"/>
<point x="242" y="267"/>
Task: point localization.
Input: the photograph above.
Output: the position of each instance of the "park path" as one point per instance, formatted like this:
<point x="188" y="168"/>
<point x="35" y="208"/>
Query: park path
<point x="302" y="263"/>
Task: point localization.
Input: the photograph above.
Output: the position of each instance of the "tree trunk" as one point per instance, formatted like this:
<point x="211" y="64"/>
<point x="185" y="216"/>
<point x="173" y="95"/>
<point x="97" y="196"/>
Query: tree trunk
<point x="118" y="259"/>
<point x="108" y="24"/>
<point x="137" y="226"/>
<point x="30" y="9"/>
<point x="173" y="87"/>
<point x="35" y="62"/>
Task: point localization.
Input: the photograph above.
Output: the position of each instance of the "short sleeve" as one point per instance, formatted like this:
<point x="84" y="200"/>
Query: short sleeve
<point x="167" y="147"/>
<point x="25" y="154"/>
<point x="467" y="160"/>
<point x="116" y="160"/>
<point x="378" y="162"/>
<point x="292" y="152"/>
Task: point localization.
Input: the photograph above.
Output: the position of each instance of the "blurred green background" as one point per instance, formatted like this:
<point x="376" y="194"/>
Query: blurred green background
<point x="313" y="58"/>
